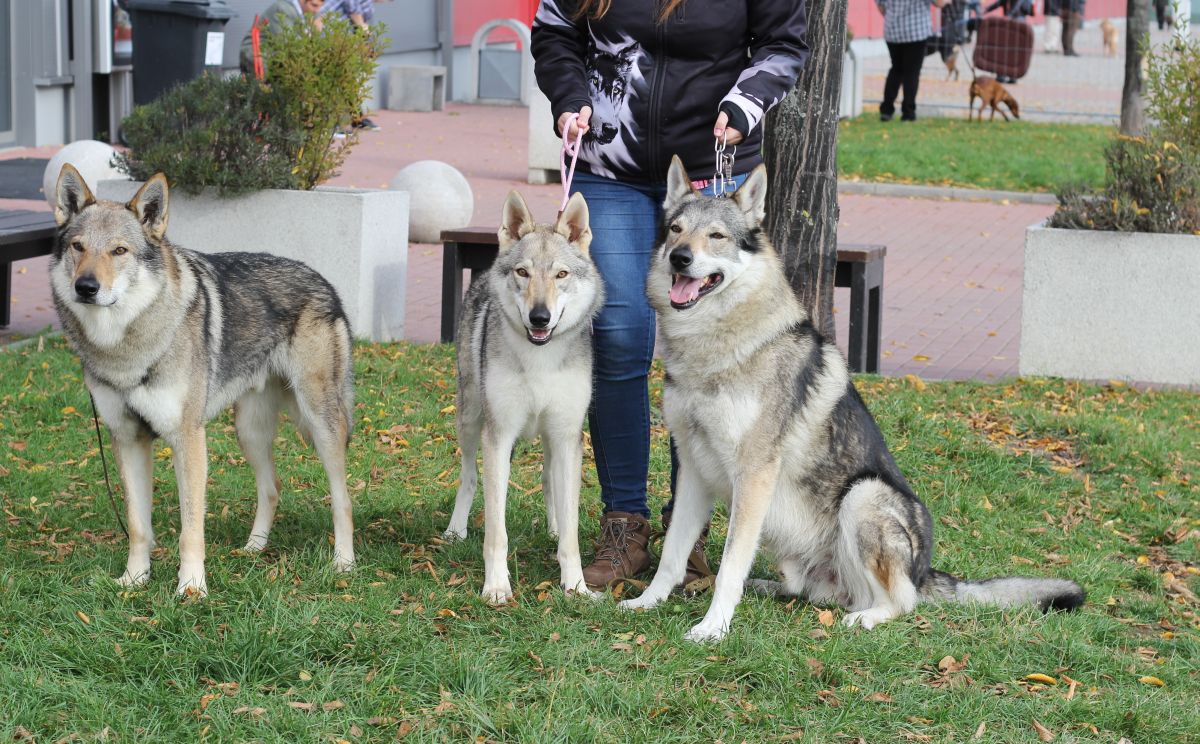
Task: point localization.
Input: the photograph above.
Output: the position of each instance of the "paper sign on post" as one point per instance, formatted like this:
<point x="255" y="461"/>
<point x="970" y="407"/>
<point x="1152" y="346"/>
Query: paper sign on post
<point x="214" y="48"/>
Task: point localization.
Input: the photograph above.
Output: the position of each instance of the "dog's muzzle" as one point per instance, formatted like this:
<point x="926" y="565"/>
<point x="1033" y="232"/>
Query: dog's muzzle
<point x="86" y="288"/>
<point x="539" y="330"/>
<point x="687" y="291"/>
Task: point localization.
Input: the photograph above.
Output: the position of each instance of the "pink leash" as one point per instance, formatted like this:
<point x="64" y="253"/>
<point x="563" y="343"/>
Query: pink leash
<point x="566" y="176"/>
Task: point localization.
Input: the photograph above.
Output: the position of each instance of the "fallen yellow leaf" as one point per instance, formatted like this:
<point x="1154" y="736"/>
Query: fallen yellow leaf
<point x="1043" y="733"/>
<point x="1045" y="679"/>
<point x="825" y="617"/>
<point x="83" y="617"/>
<point x="1151" y="681"/>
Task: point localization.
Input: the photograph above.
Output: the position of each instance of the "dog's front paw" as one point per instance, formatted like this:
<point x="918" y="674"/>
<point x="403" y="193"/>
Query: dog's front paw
<point x="256" y="544"/>
<point x="192" y="586"/>
<point x="707" y="631"/>
<point x="644" y="602"/>
<point x="497" y="595"/>
<point x="868" y="618"/>
<point x="454" y="534"/>
<point x="582" y="591"/>
<point x="134" y="578"/>
<point x="343" y="563"/>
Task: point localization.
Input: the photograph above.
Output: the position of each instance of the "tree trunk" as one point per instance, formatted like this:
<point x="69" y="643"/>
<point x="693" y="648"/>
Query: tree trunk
<point x="800" y="152"/>
<point x="1137" y="26"/>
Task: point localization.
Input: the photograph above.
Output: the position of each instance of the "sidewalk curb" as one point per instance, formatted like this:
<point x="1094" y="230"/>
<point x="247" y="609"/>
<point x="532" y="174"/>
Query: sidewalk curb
<point x="869" y="188"/>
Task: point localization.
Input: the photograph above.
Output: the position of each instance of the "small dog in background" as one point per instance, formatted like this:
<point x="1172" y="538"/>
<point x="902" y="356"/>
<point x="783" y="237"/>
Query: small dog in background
<point x="991" y="93"/>
<point x="1111" y="38"/>
<point x="951" y="62"/>
<point x="524" y="370"/>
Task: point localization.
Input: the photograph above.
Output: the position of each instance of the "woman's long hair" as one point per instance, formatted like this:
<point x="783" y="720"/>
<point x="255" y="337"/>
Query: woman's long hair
<point x="595" y="9"/>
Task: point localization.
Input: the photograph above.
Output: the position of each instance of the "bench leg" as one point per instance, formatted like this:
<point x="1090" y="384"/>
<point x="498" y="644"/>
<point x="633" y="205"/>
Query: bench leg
<point x="866" y="313"/>
<point x="451" y="291"/>
<point x="5" y="293"/>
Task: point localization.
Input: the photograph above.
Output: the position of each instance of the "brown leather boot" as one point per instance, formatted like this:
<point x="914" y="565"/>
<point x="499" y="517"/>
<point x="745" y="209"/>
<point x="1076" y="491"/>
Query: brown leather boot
<point x="697" y="564"/>
<point x="621" y="551"/>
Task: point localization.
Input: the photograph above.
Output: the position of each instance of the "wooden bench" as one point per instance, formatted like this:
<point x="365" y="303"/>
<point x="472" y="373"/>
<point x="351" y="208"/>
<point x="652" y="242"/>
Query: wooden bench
<point x="23" y="234"/>
<point x="859" y="267"/>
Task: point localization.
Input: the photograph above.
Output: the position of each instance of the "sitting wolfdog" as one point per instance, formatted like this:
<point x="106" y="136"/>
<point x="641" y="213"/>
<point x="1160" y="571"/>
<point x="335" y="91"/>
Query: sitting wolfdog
<point x="524" y="369"/>
<point x="765" y="417"/>
<point x="170" y="337"/>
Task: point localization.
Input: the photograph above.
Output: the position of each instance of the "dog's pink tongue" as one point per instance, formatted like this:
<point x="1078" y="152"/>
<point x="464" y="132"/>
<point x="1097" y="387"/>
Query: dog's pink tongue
<point x="685" y="289"/>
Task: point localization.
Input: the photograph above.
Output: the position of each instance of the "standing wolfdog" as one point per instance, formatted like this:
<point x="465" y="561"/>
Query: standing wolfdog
<point x="170" y="337"/>
<point x="524" y="369"/>
<point x="765" y="417"/>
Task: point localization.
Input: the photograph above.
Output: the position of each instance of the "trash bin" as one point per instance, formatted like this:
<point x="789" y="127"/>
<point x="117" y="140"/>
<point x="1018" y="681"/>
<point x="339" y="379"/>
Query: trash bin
<point x="174" y="41"/>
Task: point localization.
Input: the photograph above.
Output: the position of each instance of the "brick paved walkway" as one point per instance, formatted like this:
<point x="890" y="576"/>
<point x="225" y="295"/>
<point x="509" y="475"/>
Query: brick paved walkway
<point x="952" y="288"/>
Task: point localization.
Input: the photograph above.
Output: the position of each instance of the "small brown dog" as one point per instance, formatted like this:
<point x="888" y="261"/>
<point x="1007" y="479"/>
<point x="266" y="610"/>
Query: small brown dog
<point x="951" y="61"/>
<point x="1111" y="38"/>
<point x="991" y="93"/>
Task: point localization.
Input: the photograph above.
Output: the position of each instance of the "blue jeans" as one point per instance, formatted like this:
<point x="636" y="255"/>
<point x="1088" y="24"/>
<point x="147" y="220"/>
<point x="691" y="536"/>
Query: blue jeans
<point x="624" y="221"/>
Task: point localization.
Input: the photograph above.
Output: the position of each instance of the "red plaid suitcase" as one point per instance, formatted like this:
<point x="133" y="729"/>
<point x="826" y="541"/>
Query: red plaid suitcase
<point x="1004" y="46"/>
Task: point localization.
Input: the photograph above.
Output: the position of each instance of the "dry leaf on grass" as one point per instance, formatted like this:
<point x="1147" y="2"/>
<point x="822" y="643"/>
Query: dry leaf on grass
<point x="1043" y="733"/>
<point x="878" y="697"/>
<point x="301" y="706"/>
<point x="825" y="617"/>
<point x="979" y="731"/>
<point x="332" y="705"/>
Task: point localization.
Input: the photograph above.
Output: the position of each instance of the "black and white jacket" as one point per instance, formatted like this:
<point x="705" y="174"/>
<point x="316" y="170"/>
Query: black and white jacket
<point x="656" y="88"/>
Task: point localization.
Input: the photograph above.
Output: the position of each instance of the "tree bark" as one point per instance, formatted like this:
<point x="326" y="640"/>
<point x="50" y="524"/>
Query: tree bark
<point x="800" y="152"/>
<point x="1137" y="26"/>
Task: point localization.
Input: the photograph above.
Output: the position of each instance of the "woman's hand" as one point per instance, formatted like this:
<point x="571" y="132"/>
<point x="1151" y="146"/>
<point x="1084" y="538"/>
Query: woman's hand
<point x="722" y="130"/>
<point x="579" y="127"/>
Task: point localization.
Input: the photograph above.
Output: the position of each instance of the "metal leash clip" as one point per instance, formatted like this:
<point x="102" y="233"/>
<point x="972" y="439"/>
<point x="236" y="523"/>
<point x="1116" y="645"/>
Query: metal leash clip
<point x="723" y="176"/>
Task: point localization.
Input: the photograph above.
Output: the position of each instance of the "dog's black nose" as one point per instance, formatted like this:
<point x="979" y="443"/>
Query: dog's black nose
<point x="87" y="286"/>
<point x="539" y="316"/>
<point x="681" y="257"/>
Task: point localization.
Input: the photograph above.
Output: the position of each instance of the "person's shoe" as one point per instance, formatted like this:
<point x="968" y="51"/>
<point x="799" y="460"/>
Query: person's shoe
<point x="908" y="117"/>
<point x="697" y="563"/>
<point x="885" y="117"/>
<point x="365" y="123"/>
<point x="621" y="551"/>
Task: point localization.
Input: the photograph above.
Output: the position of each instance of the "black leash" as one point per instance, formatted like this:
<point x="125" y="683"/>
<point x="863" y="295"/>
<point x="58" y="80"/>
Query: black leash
<point x="104" y="462"/>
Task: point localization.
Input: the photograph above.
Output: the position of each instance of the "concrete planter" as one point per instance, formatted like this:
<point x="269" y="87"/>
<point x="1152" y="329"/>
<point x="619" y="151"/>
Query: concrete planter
<point x="1109" y="305"/>
<point x="851" y="103"/>
<point x="356" y="239"/>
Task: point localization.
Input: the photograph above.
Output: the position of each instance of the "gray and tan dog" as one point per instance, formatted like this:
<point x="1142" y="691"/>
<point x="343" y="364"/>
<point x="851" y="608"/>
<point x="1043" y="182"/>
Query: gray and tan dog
<point x="765" y="418"/>
<point x="524" y="370"/>
<point x="169" y="338"/>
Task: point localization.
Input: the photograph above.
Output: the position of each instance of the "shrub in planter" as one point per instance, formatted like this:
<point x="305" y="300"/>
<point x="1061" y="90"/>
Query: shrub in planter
<point x="213" y="133"/>
<point x="238" y="135"/>
<point x="1152" y="182"/>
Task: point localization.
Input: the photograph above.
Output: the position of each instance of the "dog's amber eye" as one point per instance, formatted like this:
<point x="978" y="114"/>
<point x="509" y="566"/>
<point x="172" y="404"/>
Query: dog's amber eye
<point x="716" y="235"/>
<point x="561" y="275"/>
<point x="120" y="250"/>
<point x="523" y="273"/>
<point x="77" y="246"/>
<point x="676" y="229"/>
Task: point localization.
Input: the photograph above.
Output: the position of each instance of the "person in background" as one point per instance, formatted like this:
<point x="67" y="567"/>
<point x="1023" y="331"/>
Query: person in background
<point x="906" y="27"/>
<point x="1052" y="34"/>
<point x="272" y="19"/>
<point x="650" y="79"/>
<point x="1162" y="13"/>
<point x="1072" y="19"/>
<point x="360" y="13"/>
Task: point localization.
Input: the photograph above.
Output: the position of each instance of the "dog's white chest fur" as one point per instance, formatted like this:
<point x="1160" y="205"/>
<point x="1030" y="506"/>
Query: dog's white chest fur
<point x="533" y="387"/>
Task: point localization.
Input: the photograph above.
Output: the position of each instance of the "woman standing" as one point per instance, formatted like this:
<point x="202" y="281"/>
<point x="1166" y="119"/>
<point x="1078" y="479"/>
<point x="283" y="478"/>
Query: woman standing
<point x="649" y="79"/>
<point x="906" y="26"/>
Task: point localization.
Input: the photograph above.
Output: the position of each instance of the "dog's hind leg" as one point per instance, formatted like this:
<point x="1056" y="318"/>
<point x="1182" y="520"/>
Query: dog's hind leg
<point x="470" y="425"/>
<point x="256" y="416"/>
<point x="877" y="548"/>
<point x="753" y="491"/>
<point x="497" y="447"/>
<point x="693" y="505"/>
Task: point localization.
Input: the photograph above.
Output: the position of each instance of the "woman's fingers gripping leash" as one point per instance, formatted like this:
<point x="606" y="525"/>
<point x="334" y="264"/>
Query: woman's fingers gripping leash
<point x="722" y="129"/>
<point x="579" y="126"/>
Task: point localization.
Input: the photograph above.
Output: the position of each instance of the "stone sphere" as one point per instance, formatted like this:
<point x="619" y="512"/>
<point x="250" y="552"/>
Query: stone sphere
<point x="439" y="198"/>
<point x="92" y="159"/>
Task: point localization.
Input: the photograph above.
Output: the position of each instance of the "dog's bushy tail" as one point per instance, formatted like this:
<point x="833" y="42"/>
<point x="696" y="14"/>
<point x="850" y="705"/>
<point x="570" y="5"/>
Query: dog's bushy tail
<point x="1005" y="591"/>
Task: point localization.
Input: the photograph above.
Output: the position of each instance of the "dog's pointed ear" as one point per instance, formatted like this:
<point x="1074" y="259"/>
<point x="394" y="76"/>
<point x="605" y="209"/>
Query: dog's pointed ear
<point x="71" y="195"/>
<point x="515" y="221"/>
<point x="678" y="184"/>
<point x="751" y="196"/>
<point x="150" y="206"/>
<point x="573" y="223"/>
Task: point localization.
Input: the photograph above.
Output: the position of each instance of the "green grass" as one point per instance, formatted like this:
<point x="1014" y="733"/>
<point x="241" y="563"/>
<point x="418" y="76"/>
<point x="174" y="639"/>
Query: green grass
<point x="1038" y="477"/>
<point x="1008" y="156"/>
